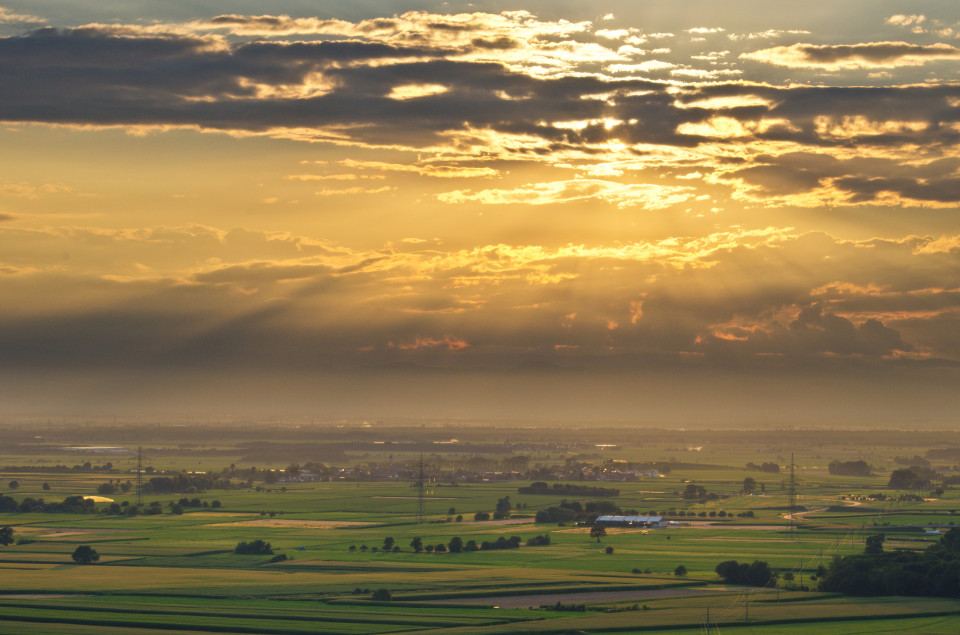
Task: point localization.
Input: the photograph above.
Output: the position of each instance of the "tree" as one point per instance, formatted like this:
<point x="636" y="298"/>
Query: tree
<point x="680" y="571"/>
<point x="14" y="484"/>
<point x="388" y="543"/>
<point x="874" y="544"/>
<point x="481" y="516"/>
<point x="106" y="489"/>
<point x="84" y="554"/>
<point x="6" y="536"/>
<point x="382" y="595"/>
<point x="46" y="486"/>
<point x="503" y="508"/>
<point x="749" y="484"/>
<point x="609" y="550"/>
<point x="598" y="532"/>
<point x="417" y="544"/>
<point x="695" y="492"/>
<point x="456" y="544"/>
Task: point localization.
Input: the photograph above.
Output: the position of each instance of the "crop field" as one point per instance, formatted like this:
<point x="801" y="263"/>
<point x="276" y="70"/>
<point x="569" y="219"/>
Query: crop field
<point x="339" y="537"/>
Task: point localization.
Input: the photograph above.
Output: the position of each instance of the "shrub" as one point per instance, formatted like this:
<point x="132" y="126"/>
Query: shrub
<point x="382" y="595"/>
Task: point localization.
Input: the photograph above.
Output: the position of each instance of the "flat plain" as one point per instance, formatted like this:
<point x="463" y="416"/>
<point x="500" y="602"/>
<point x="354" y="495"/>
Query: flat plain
<point x="342" y="529"/>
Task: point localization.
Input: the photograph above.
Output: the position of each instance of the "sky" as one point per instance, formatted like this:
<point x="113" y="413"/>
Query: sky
<point x="661" y="213"/>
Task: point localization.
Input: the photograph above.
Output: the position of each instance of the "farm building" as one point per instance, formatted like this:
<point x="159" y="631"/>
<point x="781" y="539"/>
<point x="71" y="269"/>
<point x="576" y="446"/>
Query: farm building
<point x="641" y="522"/>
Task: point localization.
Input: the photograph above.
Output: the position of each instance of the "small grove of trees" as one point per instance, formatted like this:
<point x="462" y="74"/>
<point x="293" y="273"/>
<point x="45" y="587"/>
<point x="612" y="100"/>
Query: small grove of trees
<point x="6" y="536"/>
<point x="911" y="478"/>
<point x="757" y="573"/>
<point x="457" y="545"/>
<point x="257" y="547"/>
<point x="917" y="460"/>
<point x="771" y="468"/>
<point x="680" y="571"/>
<point x="569" y="511"/>
<point x="85" y="554"/>
<point x="849" y="468"/>
<point x="479" y="516"/>
<point x="698" y="493"/>
<point x="932" y="572"/>
<point x="186" y="483"/>
<point x="382" y="595"/>
<point x="539" y="541"/>
<point x="541" y="487"/>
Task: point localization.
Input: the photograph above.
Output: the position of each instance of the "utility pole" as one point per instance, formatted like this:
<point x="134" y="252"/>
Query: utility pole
<point x="792" y="496"/>
<point x="139" y="477"/>
<point x="420" y="484"/>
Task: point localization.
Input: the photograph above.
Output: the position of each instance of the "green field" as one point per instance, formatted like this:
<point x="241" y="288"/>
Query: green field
<point x="177" y="571"/>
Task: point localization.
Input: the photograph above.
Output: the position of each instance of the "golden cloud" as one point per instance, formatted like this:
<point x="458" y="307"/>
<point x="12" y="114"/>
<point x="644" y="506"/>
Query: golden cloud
<point x="835" y="57"/>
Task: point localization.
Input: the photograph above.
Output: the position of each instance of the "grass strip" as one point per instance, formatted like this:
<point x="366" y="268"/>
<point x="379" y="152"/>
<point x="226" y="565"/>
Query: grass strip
<point x="285" y="616"/>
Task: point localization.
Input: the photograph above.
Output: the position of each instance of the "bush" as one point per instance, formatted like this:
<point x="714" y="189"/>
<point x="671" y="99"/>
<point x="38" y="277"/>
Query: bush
<point x="680" y="571"/>
<point x="481" y="516"/>
<point x="382" y="595"/>
<point x="609" y="550"/>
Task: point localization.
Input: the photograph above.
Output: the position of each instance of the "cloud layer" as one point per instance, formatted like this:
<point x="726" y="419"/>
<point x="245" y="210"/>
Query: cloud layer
<point x="478" y="192"/>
